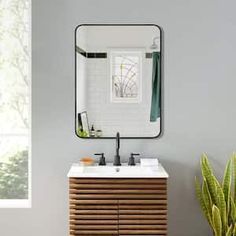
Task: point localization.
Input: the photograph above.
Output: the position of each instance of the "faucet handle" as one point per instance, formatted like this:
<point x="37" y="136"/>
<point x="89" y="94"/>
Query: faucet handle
<point x="131" y="159"/>
<point x="102" y="160"/>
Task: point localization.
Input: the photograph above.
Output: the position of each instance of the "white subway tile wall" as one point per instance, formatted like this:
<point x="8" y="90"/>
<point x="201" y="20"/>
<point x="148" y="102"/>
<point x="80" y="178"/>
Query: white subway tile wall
<point x="130" y="119"/>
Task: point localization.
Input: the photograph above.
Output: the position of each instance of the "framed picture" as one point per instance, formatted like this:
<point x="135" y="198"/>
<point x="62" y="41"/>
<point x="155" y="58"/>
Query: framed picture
<point x="83" y="122"/>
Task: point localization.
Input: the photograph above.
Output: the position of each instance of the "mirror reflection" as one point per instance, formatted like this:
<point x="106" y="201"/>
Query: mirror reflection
<point x="118" y="81"/>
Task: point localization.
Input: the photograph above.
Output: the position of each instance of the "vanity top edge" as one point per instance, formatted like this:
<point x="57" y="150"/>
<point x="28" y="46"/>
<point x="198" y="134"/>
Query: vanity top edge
<point x="123" y="171"/>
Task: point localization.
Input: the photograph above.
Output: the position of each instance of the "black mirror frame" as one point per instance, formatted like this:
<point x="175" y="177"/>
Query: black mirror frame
<point x="161" y="81"/>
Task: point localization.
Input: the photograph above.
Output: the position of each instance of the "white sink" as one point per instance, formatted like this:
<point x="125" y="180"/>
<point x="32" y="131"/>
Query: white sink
<point x="122" y="171"/>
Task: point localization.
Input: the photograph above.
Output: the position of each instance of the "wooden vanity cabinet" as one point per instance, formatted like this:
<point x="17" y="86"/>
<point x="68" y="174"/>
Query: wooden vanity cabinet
<point x="108" y="207"/>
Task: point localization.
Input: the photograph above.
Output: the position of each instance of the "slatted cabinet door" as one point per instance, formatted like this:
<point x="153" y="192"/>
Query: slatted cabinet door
<point x="118" y="207"/>
<point x="92" y="209"/>
<point x="144" y="211"/>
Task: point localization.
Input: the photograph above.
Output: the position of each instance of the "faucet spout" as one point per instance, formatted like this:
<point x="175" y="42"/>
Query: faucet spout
<point x="117" y="156"/>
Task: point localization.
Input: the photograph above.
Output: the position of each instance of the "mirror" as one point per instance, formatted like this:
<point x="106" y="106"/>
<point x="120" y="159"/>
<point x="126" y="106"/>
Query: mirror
<point x="118" y="81"/>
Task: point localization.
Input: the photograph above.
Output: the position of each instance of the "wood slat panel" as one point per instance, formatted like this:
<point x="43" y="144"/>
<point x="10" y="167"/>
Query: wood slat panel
<point x="95" y="212"/>
<point x="121" y="222"/>
<point x="141" y="202"/>
<point x="146" y="226"/>
<point x="142" y="232"/>
<point x="94" y="232"/>
<point x="144" y="217"/>
<point x="93" y="202"/>
<point x="118" y="186"/>
<point x="118" y="207"/>
<point x="143" y="222"/>
<point x="94" y="227"/>
<point x="140" y="212"/>
<point x="140" y="207"/>
<point x="94" y="207"/>
<point x="117" y="191"/>
<point x="94" y="217"/>
<point x="118" y="196"/>
<point x="93" y="222"/>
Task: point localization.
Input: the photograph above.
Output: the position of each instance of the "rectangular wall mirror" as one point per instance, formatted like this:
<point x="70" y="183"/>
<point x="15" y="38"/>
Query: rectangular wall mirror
<point x="118" y="81"/>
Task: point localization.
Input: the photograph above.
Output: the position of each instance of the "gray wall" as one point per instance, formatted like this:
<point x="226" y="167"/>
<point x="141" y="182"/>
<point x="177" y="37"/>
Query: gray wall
<point x="199" y="109"/>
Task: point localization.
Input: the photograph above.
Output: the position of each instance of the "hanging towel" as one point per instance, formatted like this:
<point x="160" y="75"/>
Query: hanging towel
<point x="156" y="87"/>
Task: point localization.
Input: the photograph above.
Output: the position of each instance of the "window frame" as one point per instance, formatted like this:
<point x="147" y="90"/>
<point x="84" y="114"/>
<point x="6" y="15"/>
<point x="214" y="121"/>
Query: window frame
<point x="25" y="203"/>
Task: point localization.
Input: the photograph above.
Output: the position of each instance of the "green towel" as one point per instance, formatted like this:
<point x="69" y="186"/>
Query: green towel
<point x="156" y="87"/>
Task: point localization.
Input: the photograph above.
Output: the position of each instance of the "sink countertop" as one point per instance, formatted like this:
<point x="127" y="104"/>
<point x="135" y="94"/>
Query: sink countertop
<point x="123" y="171"/>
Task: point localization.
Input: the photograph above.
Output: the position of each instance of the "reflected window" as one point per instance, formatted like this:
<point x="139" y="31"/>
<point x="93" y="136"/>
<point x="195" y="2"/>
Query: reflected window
<point x="126" y="67"/>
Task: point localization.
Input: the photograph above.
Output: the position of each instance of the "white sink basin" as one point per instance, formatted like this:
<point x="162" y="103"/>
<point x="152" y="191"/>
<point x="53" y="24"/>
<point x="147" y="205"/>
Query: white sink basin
<point x="123" y="171"/>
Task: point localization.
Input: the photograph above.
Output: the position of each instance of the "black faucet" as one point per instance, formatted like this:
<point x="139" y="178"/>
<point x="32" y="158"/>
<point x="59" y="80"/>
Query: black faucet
<point x="117" y="156"/>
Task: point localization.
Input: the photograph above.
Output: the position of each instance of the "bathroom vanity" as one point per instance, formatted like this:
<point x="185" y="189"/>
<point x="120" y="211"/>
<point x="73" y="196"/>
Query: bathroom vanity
<point x="118" y="96"/>
<point x="124" y="200"/>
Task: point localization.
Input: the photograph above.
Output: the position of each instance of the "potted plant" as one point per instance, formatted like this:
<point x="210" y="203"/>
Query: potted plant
<point x="218" y="200"/>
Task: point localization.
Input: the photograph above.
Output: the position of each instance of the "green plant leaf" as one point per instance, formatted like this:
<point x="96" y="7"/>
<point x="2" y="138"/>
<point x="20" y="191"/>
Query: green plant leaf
<point x="234" y="230"/>
<point x="221" y="205"/>
<point x="229" y="231"/>
<point x="207" y="197"/>
<point x="232" y="213"/>
<point x="206" y="161"/>
<point x="227" y="184"/>
<point x="210" y="179"/>
<point x="234" y="174"/>
<point x="216" y="219"/>
<point x="202" y="203"/>
<point x="217" y="201"/>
